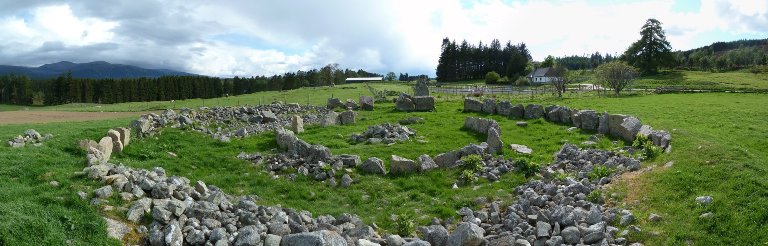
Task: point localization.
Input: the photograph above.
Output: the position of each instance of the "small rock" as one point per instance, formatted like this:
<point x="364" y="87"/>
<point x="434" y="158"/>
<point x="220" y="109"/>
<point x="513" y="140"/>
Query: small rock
<point x="654" y="218"/>
<point x="705" y="200"/>
<point x="707" y="215"/>
<point x="103" y="192"/>
<point x="54" y="183"/>
<point x="522" y="123"/>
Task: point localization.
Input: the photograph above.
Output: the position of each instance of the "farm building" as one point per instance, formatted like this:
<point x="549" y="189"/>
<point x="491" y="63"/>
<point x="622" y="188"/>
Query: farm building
<point x="541" y="75"/>
<point x="364" y="79"/>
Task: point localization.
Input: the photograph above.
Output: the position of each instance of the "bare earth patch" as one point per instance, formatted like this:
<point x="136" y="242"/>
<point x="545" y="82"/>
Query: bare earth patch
<point x="26" y="117"/>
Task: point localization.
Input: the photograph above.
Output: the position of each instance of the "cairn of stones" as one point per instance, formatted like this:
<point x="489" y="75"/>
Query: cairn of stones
<point x="384" y="133"/>
<point x="30" y="137"/>
<point x="625" y="127"/>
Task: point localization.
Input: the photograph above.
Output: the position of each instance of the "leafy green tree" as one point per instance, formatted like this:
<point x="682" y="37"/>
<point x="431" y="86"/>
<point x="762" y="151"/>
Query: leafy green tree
<point x="548" y="62"/>
<point x="616" y="75"/>
<point x="651" y="51"/>
<point x="492" y="77"/>
<point x="390" y="76"/>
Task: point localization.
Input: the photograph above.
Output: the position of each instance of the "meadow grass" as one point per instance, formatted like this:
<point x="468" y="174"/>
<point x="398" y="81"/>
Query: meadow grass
<point x="740" y="80"/>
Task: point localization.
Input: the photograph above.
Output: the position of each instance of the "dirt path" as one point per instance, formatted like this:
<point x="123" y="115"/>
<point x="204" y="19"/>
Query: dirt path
<point x="26" y="117"/>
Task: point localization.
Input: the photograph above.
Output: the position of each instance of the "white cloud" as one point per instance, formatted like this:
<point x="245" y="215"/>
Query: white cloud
<point x="379" y="36"/>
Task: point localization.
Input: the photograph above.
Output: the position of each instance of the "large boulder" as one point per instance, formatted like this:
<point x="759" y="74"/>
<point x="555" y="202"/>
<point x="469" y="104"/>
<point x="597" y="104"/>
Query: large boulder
<point x="105" y="147"/>
<point x="517" y="112"/>
<point x="426" y="163"/>
<point x="495" y="145"/>
<point x="297" y="124"/>
<point x="504" y="108"/>
<point x="661" y="138"/>
<point x="405" y="103"/>
<point x="334" y="103"/>
<point x="400" y="165"/>
<point x="329" y="119"/>
<point x="434" y="234"/>
<point x="472" y="105"/>
<point x="142" y="126"/>
<point x="489" y="106"/>
<point x="125" y="135"/>
<point x="366" y="103"/>
<point x="315" y="238"/>
<point x="553" y="114"/>
<point x="373" y="165"/>
<point x="286" y="140"/>
<point x="347" y="117"/>
<point x="588" y="120"/>
<point x="480" y="125"/>
<point x="534" y="111"/>
<point x="268" y="116"/>
<point x="466" y="234"/>
<point x="624" y="127"/>
<point x="424" y="103"/>
<point x="446" y="160"/>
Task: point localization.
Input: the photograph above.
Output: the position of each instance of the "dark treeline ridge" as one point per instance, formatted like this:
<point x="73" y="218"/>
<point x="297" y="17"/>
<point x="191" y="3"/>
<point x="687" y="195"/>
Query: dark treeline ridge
<point x="20" y="90"/>
<point x="576" y="62"/>
<point x="724" y="56"/>
<point x="468" y="61"/>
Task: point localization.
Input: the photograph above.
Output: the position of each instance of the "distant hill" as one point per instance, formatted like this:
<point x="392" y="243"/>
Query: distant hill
<point x="93" y="70"/>
<point x="720" y="47"/>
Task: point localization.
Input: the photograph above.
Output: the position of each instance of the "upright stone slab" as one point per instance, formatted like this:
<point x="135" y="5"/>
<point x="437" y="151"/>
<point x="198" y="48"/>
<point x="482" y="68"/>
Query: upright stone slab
<point x="614" y="124"/>
<point x="495" y="145"/>
<point x="105" y="147"/>
<point x="472" y="105"/>
<point x="589" y="120"/>
<point x="446" y="160"/>
<point x="117" y="145"/>
<point x="426" y="163"/>
<point x="125" y="135"/>
<point x="603" y="125"/>
<point x="286" y="140"/>
<point x="347" y="117"/>
<point x="297" y="124"/>
<point x="534" y="111"/>
<point x="405" y="103"/>
<point x="329" y="119"/>
<point x="489" y="106"/>
<point x="424" y="103"/>
<point x="421" y="89"/>
<point x="629" y="128"/>
<point x="366" y="103"/>
<point x="504" y="108"/>
<point x="517" y="112"/>
<point x="400" y="165"/>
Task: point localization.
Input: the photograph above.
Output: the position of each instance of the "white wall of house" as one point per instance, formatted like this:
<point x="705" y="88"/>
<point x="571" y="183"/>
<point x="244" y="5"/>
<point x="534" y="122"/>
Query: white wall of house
<point x="542" y="79"/>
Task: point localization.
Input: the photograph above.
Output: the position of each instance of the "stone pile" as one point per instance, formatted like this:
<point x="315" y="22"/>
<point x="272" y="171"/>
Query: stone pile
<point x="408" y="103"/>
<point x="224" y="123"/>
<point x="30" y="137"/>
<point x="553" y="211"/>
<point x="384" y="133"/>
<point x="621" y="126"/>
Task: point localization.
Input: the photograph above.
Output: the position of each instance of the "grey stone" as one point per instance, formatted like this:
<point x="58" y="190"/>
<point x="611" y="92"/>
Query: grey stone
<point x="364" y="242"/>
<point x="33" y="134"/>
<point x="366" y="103"/>
<point x="534" y="111"/>
<point x="161" y="214"/>
<point x="626" y="129"/>
<point x="394" y="240"/>
<point x="329" y="119"/>
<point x="141" y="126"/>
<point x="248" y="236"/>
<point x="272" y="240"/>
<point x="334" y="103"/>
<point x="103" y="192"/>
<point x="268" y="116"/>
<point x="522" y="149"/>
<point x="426" y="163"/>
<point x="517" y="112"/>
<point x="542" y="229"/>
<point x="421" y="89"/>
<point x="125" y="135"/>
<point x="707" y="215"/>
<point x="405" y="103"/>
<point x="522" y="242"/>
<point x="242" y="132"/>
<point x="350" y="160"/>
<point x="347" y="117"/>
<point x="173" y="235"/>
<point x="399" y="165"/>
<point x="424" y="103"/>
<point x="594" y="237"/>
<point x="297" y="124"/>
<point x="603" y="124"/>
<point x="278" y="228"/>
<point x="417" y="242"/>
<point x="446" y="160"/>
<point x="315" y="238"/>
<point x="466" y="234"/>
<point x="373" y="165"/>
<point x="286" y="140"/>
<point x="521" y="123"/>
<point x="571" y="235"/>
<point x="495" y="145"/>
<point x="218" y="234"/>
<point x="105" y="147"/>
<point x="435" y="234"/>
<point x="489" y="106"/>
<point x="504" y="108"/>
<point x="195" y="237"/>
<point x="472" y="105"/>
<point x="116" y="229"/>
<point x="588" y="120"/>
<point x="350" y="104"/>
<point x="705" y="200"/>
<point x="654" y="218"/>
<point x="346" y="180"/>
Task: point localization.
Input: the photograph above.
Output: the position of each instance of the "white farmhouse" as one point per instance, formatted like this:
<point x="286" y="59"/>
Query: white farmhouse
<point x="541" y="76"/>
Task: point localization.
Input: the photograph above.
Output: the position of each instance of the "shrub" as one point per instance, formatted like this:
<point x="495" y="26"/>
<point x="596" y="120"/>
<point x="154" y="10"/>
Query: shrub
<point x="522" y="81"/>
<point x="473" y="163"/>
<point x="595" y="196"/>
<point x="467" y="176"/>
<point x="599" y="172"/>
<point x="562" y="176"/>
<point x="651" y="151"/>
<point x="404" y="225"/>
<point x="640" y="141"/>
<point x="527" y="168"/>
<point x="492" y="77"/>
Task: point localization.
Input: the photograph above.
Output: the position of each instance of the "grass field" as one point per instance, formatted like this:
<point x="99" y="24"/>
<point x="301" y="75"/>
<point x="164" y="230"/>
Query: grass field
<point x="738" y="80"/>
<point x="718" y="149"/>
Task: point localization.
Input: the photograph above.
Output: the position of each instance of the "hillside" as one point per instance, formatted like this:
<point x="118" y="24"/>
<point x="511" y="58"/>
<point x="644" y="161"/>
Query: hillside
<point x="94" y="70"/>
<point x="725" y="56"/>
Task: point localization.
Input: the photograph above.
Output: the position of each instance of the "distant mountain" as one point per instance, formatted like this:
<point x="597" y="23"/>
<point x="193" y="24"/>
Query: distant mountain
<point x="93" y="70"/>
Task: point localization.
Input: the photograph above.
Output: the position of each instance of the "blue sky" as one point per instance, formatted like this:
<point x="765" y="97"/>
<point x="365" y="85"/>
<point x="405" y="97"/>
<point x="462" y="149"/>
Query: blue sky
<point x="245" y="38"/>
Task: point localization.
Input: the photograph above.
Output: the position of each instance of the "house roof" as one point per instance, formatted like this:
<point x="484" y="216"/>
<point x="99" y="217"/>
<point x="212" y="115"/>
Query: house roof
<point x="540" y="72"/>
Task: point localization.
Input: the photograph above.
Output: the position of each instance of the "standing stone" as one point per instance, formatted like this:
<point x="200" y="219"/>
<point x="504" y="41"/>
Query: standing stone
<point x="125" y="135"/>
<point x="517" y="112"/>
<point x="553" y="114"/>
<point x="366" y="103"/>
<point x="534" y="111"/>
<point x="603" y="126"/>
<point x="472" y="105"/>
<point x="117" y="147"/>
<point x="424" y="103"/>
<point x="114" y="135"/>
<point x="405" y="103"/>
<point x="504" y="108"/>
<point x="334" y="103"/>
<point x="495" y="145"/>
<point x="297" y="124"/>
<point x="588" y="120"/>
<point x="286" y="140"/>
<point x="347" y="117"/>
<point x="105" y="147"/>
<point x="489" y="106"/>
<point x="399" y="165"/>
<point x="329" y="119"/>
<point x="426" y="163"/>
<point x="373" y="165"/>
<point x="86" y="144"/>
<point x="350" y="104"/>
<point x="446" y="160"/>
<point x="421" y="89"/>
<point x="626" y="128"/>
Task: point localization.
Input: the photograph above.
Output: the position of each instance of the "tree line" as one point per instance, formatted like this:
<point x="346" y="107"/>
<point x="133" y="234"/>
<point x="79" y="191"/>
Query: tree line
<point x="20" y="90"/>
<point x="724" y="57"/>
<point x="576" y="62"/>
<point x="466" y="61"/>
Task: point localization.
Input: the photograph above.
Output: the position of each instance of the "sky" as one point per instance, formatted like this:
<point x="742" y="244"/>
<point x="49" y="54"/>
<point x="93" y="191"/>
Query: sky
<point x="265" y="37"/>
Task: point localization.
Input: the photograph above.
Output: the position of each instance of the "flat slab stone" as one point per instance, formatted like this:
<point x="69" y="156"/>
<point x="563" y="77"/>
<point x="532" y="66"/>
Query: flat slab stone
<point x="522" y="149"/>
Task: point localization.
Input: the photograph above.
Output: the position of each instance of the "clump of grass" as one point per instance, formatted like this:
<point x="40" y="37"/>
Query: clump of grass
<point x="596" y="196"/>
<point x="647" y="149"/>
<point x="562" y="176"/>
<point x="405" y="225"/>
<point x="473" y="163"/>
<point x="468" y="176"/>
<point x="599" y="172"/>
<point x="527" y="168"/>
